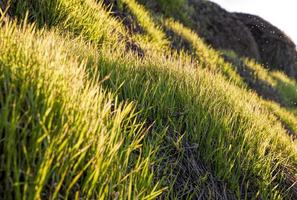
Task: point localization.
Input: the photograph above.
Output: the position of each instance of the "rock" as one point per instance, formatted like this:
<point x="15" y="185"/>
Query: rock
<point x="222" y="30"/>
<point x="276" y="49"/>
<point x="247" y="35"/>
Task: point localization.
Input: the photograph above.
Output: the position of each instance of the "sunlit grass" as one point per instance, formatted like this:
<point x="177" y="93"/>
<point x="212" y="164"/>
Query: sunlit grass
<point x="287" y="117"/>
<point x="62" y="134"/>
<point x="90" y="119"/>
<point x="276" y="79"/>
<point x="206" y="56"/>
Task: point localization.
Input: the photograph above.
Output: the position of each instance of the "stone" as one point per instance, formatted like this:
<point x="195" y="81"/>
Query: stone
<point x="222" y="30"/>
<point x="276" y="49"/>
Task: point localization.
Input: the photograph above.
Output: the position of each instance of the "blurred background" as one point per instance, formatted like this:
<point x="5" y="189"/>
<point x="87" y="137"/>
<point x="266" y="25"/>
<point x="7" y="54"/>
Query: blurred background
<point x="282" y="14"/>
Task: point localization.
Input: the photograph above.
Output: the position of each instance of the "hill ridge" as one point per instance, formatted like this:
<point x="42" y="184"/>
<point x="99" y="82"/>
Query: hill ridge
<point x="103" y="99"/>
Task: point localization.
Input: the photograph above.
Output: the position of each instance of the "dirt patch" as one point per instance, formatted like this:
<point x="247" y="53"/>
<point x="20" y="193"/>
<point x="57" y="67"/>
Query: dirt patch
<point x="290" y="181"/>
<point x="134" y="47"/>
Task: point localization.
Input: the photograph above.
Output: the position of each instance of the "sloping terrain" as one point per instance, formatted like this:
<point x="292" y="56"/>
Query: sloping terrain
<point x="247" y="35"/>
<point x="116" y="99"/>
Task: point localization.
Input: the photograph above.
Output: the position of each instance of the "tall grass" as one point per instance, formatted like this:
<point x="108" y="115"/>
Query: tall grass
<point x="288" y="118"/>
<point x="206" y="56"/>
<point x="81" y="17"/>
<point x="62" y="135"/>
<point x="286" y="87"/>
<point x="232" y="132"/>
<point x="154" y="38"/>
<point x="237" y="139"/>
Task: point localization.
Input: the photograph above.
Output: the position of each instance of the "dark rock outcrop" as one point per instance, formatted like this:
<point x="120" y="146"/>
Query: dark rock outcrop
<point x="247" y="35"/>
<point x="222" y="30"/>
<point x="276" y="49"/>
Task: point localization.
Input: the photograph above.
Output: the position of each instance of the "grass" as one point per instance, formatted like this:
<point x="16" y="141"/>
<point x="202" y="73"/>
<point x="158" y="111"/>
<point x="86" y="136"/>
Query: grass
<point x="124" y="126"/>
<point x="286" y="87"/>
<point x="218" y="123"/>
<point x="287" y="117"/>
<point x="206" y="56"/>
<point x="85" y="18"/>
<point x="61" y="134"/>
<point x="154" y="38"/>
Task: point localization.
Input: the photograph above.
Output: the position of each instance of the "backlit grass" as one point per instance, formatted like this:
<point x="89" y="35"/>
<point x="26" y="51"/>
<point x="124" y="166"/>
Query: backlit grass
<point x="90" y="119"/>
<point x="62" y="134"/>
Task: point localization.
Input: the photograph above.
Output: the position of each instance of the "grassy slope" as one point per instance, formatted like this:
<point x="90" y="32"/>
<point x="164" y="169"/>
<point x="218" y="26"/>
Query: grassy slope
<point x="234" y="135"/>
<point x="61" y="131"/>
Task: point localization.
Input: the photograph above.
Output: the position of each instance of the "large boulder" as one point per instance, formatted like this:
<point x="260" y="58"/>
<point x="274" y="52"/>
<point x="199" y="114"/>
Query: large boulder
<point x="276" y="49"/>
<point x="247" y="35"/>
<point x="222" y="30"/>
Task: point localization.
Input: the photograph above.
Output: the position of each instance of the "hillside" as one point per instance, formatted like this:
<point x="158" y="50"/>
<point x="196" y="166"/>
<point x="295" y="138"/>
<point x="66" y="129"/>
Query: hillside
<point x="134" y="99"/>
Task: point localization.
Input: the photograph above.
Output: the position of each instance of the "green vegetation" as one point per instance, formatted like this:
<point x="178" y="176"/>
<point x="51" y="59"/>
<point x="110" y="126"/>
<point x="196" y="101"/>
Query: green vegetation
<point x="206" y="56"/>
<point x="287" y="88"/>
<point x="61" y="133"/>
<point x="179" y="8"/>
<point x="154" y="37"/>
<point x="286" y="117"/>
<point x="84" y="117"/>
<point x="268" y="83"/>
<point x="278" y="80"/>
<point x="169" y="6"/>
